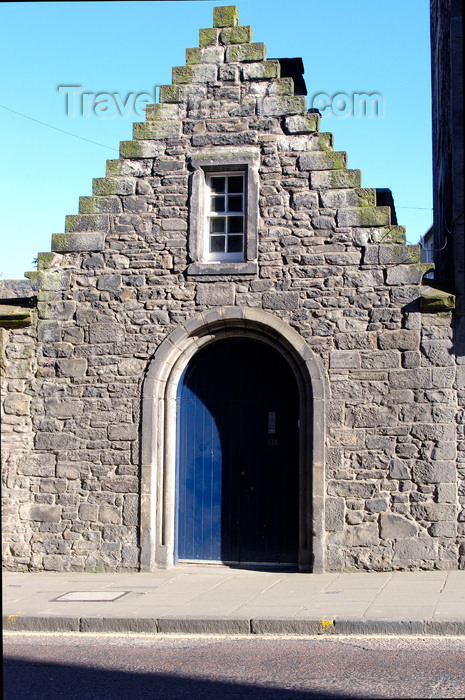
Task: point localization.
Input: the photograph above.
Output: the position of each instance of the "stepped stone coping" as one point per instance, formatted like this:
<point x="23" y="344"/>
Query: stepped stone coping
<point x="434" y="300"/>
<point x="226" y="16"/>
<point x="78" y="242"/>
<point x="17" y="315"/>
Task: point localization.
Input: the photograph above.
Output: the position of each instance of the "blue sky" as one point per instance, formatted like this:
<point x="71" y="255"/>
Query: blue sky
<point x="347" y="46"/>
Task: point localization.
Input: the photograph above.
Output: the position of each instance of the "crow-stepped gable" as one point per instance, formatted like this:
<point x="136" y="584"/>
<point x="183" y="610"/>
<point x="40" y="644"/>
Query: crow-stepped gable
<point x="233" y="356"/>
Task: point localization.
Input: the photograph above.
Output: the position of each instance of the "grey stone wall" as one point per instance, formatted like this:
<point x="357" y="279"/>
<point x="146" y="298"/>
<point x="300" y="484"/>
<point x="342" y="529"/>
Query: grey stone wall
<point x="329" y="264"/>
<point x="21" y="470"/>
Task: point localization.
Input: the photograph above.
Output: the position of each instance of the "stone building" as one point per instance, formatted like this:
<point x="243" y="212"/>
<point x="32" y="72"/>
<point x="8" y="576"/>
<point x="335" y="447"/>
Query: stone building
<point x="233" y="356"/>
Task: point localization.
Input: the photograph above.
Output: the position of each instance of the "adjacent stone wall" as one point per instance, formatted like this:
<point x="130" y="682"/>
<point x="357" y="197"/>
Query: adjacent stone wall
<point x="330" y="265"/>
<point x="22" y="487"/>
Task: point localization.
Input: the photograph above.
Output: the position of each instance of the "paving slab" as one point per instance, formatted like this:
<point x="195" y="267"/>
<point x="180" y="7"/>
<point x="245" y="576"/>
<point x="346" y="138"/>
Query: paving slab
<point x="222" y="600"/>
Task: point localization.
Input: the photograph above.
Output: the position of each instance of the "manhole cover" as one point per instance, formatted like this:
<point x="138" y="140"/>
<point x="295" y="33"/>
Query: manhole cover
<point x="92" y="596"/>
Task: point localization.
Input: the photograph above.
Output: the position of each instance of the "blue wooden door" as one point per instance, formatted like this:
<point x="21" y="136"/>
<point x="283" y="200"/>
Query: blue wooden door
<point x="237" y="456"/>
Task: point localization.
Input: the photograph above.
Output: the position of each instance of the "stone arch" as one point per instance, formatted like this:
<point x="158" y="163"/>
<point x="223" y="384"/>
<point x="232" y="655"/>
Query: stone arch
<point x="158" y="443"/>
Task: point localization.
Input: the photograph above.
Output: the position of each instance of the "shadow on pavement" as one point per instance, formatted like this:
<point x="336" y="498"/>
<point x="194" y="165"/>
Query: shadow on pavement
<point x="37" y="681"/>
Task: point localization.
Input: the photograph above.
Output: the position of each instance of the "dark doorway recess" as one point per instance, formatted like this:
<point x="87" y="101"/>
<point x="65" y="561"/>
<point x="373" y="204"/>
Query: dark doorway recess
<point x="237" y="456"/>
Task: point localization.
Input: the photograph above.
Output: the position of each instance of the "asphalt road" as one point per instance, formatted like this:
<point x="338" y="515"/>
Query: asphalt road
<point x="104" y="667"/>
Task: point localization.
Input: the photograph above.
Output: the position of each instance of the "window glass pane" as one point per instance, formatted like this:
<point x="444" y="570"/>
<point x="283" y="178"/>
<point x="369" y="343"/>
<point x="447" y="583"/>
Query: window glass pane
<point x="217" y="224"/>
<point x="235" y="202"/>
<point x="217" y="244"/>
<point x="235" y="244"/>
<point x="235" y="224"/>
<point x="236" y="183"/>
<point x="217" y="184"/>
<point x="218" y="203"/>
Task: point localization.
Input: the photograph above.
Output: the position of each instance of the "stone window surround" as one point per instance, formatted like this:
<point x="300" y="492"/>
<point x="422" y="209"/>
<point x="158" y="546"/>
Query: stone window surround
<point x="230" y="159"/>
<point x="158" y="440"/>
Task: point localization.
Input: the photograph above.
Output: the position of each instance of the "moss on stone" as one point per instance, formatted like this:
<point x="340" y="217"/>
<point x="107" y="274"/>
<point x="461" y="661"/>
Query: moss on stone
<point x="413" y="253"/>
<point x="47" y="296"/>
<point x="338" y="159"/>
<point x="246" y="52"/>
<point x="227" y="16"/>
<point x="128" y="149"/>
<point x="325" y="140"/>
<point x="313" y="121"/>
<point x="236" y="35"/>
<point x="157" y="130"/>
<point x="436" y="300"/>
<point x="102" y="185"/>
<point x="72" y="221"/>
<point x="192" y="56"/>
<point x="271" y="69"/>
<point x="154" y="112"/>
<point x="44" y="260"/>
<point x="87" y="205"/>
<point x="423" y="268"/>
<point x="182" y="74"/>
<point x="32" y="275"/>
<point x="366" y="196"/>
<point x="60" y="242"/>
<point x="208" y="37"/>
<point x="301" y="124"/>
<point x="373" y="216"/>
<point x="161" y="112"/>
<point x="88" y="222"/>
<point x="390" y="234"/>
<point x="282" y="86"/>
<point x="171" y="93"/>
<point x="344" y="178"/>
<point x="14" y="316"/>
<point x="113" y="168"/>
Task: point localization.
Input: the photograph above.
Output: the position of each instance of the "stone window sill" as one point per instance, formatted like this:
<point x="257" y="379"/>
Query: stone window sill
<point x="237" y="268"/>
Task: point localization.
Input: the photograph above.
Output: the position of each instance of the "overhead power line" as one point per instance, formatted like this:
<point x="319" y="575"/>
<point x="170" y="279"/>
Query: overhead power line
<point x="69" y="133"/>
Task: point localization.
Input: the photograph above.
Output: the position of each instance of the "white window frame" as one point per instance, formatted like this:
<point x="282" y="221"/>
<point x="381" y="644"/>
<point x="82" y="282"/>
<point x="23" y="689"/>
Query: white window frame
<point x="210" y="215"/>
<point x="219" y="161"/>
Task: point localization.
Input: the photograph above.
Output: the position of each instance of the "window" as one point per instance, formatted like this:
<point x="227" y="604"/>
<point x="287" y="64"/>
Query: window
<point x="223" y="212"/>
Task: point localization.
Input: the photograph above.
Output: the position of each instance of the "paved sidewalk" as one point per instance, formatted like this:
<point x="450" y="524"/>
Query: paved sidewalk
<point x="220" y="600"/>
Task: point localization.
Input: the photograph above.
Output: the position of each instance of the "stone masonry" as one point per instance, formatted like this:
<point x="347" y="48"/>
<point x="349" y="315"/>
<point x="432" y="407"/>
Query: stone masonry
<point x="124" y="277"/>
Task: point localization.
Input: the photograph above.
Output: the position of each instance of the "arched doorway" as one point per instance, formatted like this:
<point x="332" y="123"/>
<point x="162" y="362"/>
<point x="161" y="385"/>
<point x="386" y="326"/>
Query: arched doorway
<point x="237" y="486"/>
<point x="159" y="427"/>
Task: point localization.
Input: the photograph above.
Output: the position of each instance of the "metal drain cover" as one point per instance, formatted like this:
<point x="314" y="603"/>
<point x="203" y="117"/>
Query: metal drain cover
<point x="91" y="596"/>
